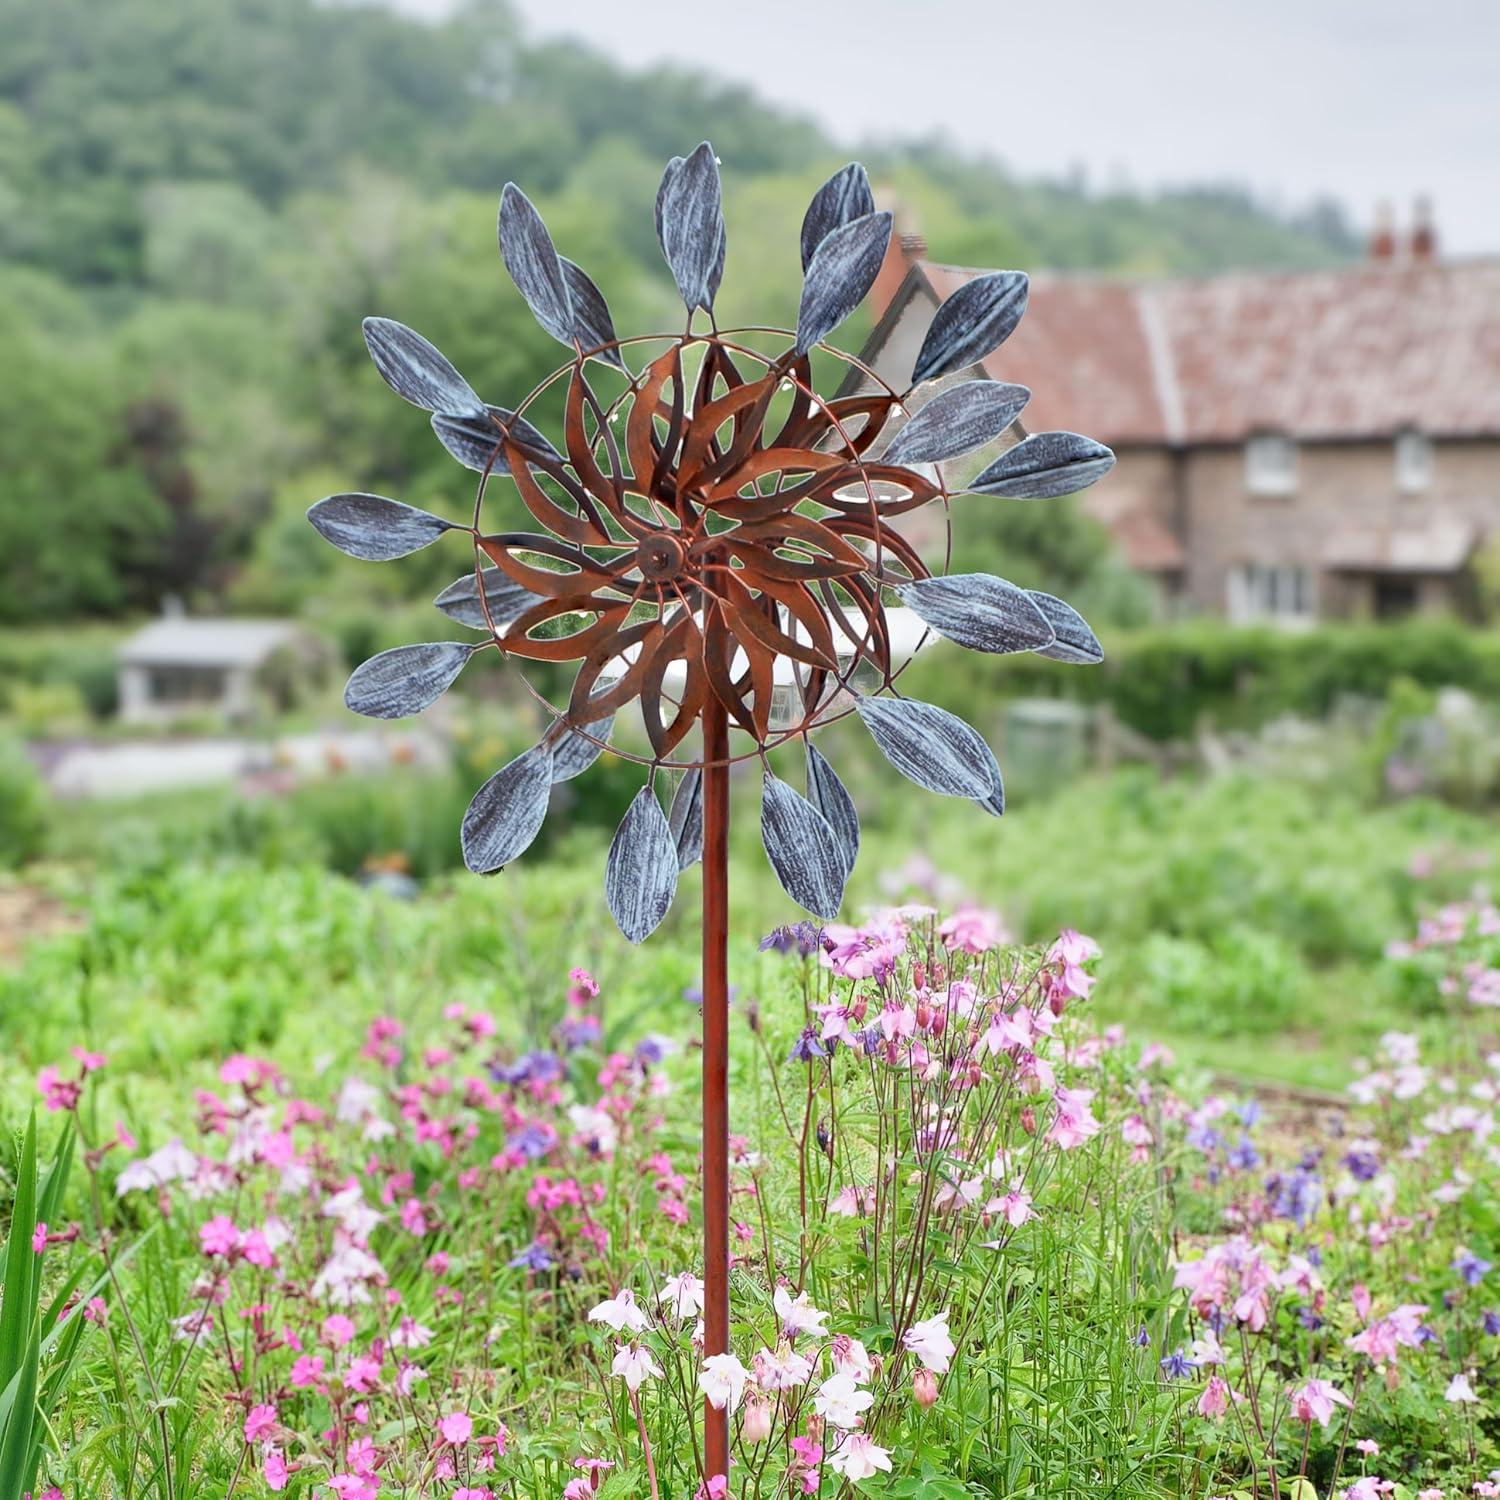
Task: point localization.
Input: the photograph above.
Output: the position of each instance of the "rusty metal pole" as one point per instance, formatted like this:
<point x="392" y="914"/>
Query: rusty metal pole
<point x="715" y="1067"/>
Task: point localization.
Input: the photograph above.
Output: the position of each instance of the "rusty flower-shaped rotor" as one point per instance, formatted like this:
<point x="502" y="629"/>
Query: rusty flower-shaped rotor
<point x="718" y="537"/>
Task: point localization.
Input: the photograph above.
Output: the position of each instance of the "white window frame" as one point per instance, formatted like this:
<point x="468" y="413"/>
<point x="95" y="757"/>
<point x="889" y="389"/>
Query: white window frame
<point x="1272" y="591"/>
<point x="1271" y="464"/>
<point x="1413" y="461"/>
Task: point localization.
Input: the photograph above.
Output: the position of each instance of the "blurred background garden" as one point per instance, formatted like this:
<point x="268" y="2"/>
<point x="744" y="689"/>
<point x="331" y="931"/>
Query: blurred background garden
<point x="1290" y="750"/>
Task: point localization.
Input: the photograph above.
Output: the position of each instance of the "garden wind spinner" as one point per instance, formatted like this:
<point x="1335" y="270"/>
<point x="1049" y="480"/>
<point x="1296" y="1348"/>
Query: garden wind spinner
<point x="717" y="545"/>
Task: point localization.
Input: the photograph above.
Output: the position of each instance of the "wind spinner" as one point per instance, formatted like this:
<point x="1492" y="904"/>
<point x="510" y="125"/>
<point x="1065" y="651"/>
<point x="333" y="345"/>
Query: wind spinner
<point x="718" y="545"/>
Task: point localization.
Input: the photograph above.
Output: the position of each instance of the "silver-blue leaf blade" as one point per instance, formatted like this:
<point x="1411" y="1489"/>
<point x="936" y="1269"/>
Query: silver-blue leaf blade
<point x="685" y="817"/>
<point x="593" y="327"/>
<point x="1045" y="466"/>
<point x="831" y="798"/>
<point x="957" y="421"/>
<point x="930" y="746"/>
<point x="534" y="264"/>
<point x="840" y="275"/>
<point x="972" y="324"/>
<point x="979" y="612"/>
<point x="475" y="441"/>
<point x="690" y="224"/>
<point x="375" y="529"/>
<point x="507" y="812"/>
<point x="573" y="753"/>
<point x="417" y="371"/>
<point x="640" y="874"/>
<point x="406" y="679"/>
<point x="1073" y="641"/>
<point x="506" y="600"/>
<point x="803" y="849"/>
<point x="846" y="196"/>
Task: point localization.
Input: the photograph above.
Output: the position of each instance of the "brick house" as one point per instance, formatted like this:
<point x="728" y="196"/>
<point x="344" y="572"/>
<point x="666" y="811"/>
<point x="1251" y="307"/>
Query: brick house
<point x="1291" y="444"/>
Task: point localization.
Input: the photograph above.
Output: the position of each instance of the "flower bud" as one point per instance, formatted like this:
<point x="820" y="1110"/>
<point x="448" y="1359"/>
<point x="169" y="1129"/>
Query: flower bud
<point x="924" y="1389"/>
<point x="755" y="1425"/>
<point x="1028" y="1120"/>
<point x="939" y="1022"/>
<point x="924" y="1015"/>
<point x="861" y="1007"/>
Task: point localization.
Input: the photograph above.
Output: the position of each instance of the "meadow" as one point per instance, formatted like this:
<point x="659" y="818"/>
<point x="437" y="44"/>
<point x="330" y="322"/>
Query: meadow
<point x="367" y="1186"/>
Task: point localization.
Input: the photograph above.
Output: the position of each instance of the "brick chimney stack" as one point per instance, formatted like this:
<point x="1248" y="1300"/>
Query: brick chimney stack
<point x="1423" y="234"/>
<point x="1383" y="236"/>
<point x="906" y="248"/>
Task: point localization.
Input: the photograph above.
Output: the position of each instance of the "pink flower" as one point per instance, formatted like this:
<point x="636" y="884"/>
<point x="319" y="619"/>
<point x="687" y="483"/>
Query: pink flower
<point x="273" y="1469"/>
<point x="1315" y="1400"/>
<point x="931" y="1343"/>
<point x="338" y="1330"/>
<point x="1075" y="1122"/>
<point x="57" y="1092"/>
<point x="1214" y="1401"/>
<point x="973" y="930"/>
<point x="219" y="1237"/>
<point x="1368" y="1446"/>
<point x="39" y="1239"/>
<point x="307" y="1370"/>
<point x="259" y="1422"/>
<point x="457" y="1427"/>
<point x="354" y="1486"/>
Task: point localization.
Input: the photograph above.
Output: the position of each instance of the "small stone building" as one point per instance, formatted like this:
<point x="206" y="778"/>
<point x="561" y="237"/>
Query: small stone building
<point x="1291" y="445"/>
<point x="180" y="668"/>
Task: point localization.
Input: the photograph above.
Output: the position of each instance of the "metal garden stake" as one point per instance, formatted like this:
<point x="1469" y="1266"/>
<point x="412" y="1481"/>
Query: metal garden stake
<point x="723" y="549"/>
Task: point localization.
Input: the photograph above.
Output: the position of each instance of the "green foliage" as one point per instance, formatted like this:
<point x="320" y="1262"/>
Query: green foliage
<point x="23" y="806"/>
<point x="1166" y="681"/>
<point x="201" y="202"/>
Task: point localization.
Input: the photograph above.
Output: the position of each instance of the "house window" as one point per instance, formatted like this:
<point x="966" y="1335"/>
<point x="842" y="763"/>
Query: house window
<point x="1270" y="464"/>
<point x="1260" y="591"/>
<point x="1413" y="461"/>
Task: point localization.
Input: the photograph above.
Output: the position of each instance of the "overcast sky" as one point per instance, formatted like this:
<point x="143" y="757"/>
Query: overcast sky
<point x="1363" y="100"/>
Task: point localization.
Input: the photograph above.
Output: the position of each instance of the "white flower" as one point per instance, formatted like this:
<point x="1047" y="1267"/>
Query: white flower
<point x="840" y="1401"/>
<point x="410" y="1334"/>
<point x="619" y="1313"/>
<point x="171" y="1163"/>
<point x="931" y="1343"/>
<point x="859" y="1456"/>
<point x="347" y="1275"/>
<point x="850" y="1357"/>
<point x="682" y="1295"/>
<point x="798" y="1315"/>
<point x="596" y="1129"/>
<point x="1460" y="1390"/>
<point x="784" y="1370"/>
<point x="350" y="1209"/>
<point x="722" y="1380"/>
<point x="634" y="1365"/>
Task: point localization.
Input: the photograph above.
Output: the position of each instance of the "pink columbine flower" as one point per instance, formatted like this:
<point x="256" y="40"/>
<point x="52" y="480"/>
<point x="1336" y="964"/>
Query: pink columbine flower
<point x="619" y="1312"/>
<point x="858" y="1457"/>
<point x="634" y="1365"/>
<point x="722" y="1380"/>
<point x="1315" y="1400"/>
<point x="1214" y="1401"/>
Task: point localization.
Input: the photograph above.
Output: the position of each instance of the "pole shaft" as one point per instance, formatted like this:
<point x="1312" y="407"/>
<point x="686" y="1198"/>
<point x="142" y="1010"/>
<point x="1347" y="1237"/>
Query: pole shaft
<point x="715" y="1068"/>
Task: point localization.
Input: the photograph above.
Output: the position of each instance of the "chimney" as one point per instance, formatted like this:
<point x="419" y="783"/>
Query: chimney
<point x="1423" y="235"/>
<point x="1383" y="236"/>
<point x="905" y="249"/>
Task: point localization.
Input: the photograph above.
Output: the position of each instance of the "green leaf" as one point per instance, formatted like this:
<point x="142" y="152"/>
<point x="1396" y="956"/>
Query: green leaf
<point x="18" y="1310"/>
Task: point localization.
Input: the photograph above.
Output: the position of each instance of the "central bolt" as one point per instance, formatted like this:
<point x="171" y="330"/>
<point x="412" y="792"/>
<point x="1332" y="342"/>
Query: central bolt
<point x="659" y="557"/>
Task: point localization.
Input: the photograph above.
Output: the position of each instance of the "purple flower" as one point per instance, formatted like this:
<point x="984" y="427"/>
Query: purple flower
<point x="535" y="1257"/>
<point x="1362" y="1165"/>
<point x="1250" y="1113"/>
<point x="807" y="1046"/>
<point x="1143" y="1338"/>
<point x="1470" y="1267"/>
<point x="1492" y="1324"/>
<point x="578" y="1031"/>
<point x="801" y="938"/>
<point x="1309" y="1319"/>
<point x="1177" y="1366"/>
<point x="1244" y="1156"/>
<point x="533" y="1140"/>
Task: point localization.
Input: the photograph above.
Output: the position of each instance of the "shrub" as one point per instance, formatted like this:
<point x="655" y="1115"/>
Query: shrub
<point x="23" y="806"/>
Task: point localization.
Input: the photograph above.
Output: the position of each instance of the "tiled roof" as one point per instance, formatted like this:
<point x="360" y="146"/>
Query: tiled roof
<point x="1360" y="351"/>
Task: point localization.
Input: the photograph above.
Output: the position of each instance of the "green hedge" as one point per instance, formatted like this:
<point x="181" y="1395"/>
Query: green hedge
<point x="1166" y="681"/>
